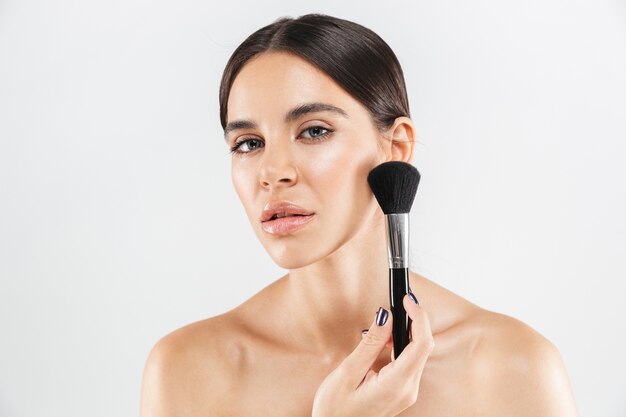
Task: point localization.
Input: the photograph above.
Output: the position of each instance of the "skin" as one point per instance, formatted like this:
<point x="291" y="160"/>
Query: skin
<point x="269" y="355"/>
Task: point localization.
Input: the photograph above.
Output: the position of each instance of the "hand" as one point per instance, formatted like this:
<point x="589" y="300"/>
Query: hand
<point x="354" y="389"/>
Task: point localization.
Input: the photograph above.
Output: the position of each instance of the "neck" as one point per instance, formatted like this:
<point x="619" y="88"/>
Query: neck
<point x="336" y="297"/>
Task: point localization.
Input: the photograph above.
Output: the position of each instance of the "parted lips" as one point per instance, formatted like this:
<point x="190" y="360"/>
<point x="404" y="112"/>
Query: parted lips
<point x="394" y="185"/>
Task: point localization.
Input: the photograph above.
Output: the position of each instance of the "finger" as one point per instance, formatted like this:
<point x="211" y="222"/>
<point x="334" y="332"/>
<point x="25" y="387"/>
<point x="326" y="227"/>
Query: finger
<point x="409" y="365"/>
<point x="413" y="358"/>
<point x="420" y="325"/>
<point x="360" y="360"/>
<point x="389" y="343"/>
<point x="370" y="374"/>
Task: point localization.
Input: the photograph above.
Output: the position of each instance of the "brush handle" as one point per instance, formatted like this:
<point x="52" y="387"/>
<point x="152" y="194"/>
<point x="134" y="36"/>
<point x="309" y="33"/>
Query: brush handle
<point x="398" y="288"/>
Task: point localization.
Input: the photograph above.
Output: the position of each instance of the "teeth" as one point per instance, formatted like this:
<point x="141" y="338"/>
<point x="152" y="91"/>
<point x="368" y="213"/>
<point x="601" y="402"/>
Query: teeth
<point x="282" y="214"/>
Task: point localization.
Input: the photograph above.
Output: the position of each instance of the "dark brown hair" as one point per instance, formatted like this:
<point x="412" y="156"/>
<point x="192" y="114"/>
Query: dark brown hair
<point x="353" y="55"/>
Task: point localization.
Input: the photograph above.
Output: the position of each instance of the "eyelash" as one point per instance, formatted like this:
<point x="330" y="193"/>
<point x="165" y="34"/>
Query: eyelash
<point x="235" y="148"/>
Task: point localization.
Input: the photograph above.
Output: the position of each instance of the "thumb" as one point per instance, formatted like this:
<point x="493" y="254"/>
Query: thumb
<point x="360" y="360"/>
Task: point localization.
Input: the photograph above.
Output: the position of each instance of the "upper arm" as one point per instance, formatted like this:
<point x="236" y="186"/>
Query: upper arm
<point x="159" y="396"/>
<point x="183" y="377"/>
<point x="527" y="377"/>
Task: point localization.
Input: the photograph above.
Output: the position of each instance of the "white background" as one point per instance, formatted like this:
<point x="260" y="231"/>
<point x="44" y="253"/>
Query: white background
<point x="119" y="223"/>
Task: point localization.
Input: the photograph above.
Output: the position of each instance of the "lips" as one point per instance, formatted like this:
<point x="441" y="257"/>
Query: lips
<point x="280" y="209"/>
<point x="283" y="217"/>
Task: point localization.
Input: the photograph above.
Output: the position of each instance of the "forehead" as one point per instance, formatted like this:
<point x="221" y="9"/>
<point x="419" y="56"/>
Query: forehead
<point x="274" y="82"/>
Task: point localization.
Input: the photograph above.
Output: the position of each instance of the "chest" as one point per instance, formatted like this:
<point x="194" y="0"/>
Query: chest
<point x="287" y="387"/>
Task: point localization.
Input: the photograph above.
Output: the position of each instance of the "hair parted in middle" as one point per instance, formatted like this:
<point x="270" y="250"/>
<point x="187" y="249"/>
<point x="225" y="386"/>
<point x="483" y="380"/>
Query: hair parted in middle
<point x="359" y="60"/>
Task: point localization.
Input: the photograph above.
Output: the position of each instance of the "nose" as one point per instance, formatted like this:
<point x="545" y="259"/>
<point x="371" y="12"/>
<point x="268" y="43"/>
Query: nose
<point x="277" y="167"/>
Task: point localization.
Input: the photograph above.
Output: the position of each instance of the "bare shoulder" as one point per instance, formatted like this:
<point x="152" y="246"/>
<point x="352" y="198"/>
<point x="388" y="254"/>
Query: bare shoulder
<point x="188" y="372"/>
<point x="194" y="370"/>
<point x="520" y="372"/>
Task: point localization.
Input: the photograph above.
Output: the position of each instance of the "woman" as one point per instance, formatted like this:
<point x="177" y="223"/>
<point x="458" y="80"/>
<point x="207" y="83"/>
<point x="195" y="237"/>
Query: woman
<point x="309" y="106"/>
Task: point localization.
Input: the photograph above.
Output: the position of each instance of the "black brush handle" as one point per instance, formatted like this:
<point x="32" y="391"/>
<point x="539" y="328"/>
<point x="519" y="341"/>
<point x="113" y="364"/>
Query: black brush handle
<point x="398" y="288"/>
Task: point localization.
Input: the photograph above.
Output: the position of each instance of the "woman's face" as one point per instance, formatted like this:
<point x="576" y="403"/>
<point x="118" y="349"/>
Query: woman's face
<point x="317" y="160"/>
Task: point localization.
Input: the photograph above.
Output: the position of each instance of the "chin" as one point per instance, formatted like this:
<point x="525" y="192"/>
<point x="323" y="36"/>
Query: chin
<point x="289" y="258"/>
<point x="291" y="252"/>
<point x="299" y="251"/>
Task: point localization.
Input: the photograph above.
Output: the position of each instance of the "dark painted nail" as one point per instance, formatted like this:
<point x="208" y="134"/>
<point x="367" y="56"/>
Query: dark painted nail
<point x="364" y="331"/>
<point x="381" y="316"/>
<point x="412" y="297"/>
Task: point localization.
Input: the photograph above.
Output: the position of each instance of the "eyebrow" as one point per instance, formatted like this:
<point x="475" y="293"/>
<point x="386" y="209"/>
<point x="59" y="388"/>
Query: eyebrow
<point x="290" y="116"/>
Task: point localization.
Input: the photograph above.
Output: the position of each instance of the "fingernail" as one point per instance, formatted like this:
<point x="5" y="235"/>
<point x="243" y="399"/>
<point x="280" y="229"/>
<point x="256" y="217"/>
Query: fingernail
<point x="381" y="316"/>
<point x="364" y="331"/>
<point x="412" y="297"/>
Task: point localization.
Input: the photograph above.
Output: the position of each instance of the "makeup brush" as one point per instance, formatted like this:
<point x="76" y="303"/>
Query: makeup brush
<point x="394" y="185"/>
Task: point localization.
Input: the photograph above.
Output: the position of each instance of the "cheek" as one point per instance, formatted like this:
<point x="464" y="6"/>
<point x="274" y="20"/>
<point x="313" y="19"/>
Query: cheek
<point x="323" y="166"/>
<point x="340" y="171"/>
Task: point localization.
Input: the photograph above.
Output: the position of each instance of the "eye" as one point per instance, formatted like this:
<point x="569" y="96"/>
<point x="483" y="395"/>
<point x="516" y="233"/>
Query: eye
<point x="246" y="145"/>
<point x="317" y="132"/>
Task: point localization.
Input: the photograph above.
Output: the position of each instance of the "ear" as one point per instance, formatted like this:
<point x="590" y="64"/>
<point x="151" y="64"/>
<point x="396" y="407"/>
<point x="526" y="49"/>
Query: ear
<point x="400" y="140"/>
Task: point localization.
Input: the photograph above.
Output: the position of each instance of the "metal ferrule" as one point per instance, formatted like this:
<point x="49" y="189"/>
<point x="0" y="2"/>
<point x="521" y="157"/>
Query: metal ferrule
<point x="397" y="227"/>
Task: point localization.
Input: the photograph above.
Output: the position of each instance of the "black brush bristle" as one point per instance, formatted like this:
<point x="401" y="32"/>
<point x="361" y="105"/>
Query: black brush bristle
<point x="394" y="185"/>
